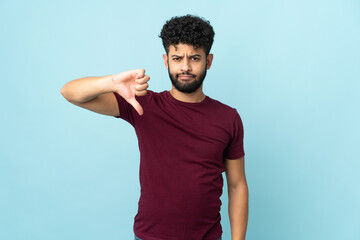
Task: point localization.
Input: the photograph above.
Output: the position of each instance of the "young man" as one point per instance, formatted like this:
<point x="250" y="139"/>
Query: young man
<point x="186" y="139"/>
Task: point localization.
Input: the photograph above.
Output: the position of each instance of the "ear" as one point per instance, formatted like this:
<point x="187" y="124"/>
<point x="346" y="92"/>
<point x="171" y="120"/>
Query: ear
<point x="209" y="60"/>
<point x="165" y="57"/>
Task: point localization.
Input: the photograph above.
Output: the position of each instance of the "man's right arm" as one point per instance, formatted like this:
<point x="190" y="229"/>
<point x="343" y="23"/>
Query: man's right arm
<point x="92" y="93"/>
<point x="96" y="93"/>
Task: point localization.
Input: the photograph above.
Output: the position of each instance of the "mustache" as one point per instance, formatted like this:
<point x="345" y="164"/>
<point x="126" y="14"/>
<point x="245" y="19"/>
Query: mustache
<point x="185" y="74"/>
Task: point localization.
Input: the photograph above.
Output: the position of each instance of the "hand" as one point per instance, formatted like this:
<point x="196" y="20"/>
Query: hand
<point x="131" y="83"/>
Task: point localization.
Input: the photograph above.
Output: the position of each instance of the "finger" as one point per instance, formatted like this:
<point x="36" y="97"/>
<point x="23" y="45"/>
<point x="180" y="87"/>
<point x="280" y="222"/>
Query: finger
<point x="143" y="80"/>
<point x="140" y="74"/>
<point x="140" y="93"/>
<point x="136" y="105"/>
<point x="141" y="87"/>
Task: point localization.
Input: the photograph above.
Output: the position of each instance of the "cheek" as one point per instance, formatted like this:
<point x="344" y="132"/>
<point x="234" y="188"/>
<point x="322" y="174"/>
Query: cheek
<point x="173" y="68"/>
<point x="201" y="67"/>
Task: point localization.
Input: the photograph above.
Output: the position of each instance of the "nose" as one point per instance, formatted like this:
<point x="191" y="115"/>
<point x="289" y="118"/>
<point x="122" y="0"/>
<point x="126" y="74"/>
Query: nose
<point x="185" y="67"/>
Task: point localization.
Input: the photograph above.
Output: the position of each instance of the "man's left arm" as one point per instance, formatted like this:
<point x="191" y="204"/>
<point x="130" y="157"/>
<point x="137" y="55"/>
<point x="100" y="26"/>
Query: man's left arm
<point x="238" y="197"/>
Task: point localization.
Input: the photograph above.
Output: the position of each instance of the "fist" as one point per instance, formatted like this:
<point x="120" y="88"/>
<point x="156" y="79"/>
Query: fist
<point x="131" y="83"/>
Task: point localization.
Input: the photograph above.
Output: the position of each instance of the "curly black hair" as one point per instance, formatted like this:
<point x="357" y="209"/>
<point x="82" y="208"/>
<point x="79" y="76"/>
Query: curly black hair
<point x="188" y="29"/>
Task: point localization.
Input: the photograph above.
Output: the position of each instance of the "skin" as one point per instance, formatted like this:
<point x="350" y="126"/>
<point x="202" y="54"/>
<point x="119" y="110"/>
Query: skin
<point x="238" y="194"/>
<point x="181" y="59"/>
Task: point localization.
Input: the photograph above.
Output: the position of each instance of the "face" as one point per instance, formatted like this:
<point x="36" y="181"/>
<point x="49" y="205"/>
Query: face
<point x="187" y="66"/>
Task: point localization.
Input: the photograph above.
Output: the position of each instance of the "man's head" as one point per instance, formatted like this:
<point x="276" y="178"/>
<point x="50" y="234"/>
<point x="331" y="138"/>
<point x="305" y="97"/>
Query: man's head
<point x="187" y="41"/>
<point x="188" y="29"/>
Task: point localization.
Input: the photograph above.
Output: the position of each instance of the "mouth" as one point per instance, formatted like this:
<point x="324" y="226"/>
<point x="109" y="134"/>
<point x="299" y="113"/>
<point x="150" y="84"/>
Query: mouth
<point x="185" y="77"/>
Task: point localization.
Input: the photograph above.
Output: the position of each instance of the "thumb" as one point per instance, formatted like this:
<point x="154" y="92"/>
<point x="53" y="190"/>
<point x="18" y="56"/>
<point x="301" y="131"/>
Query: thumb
<point x="136" y="105"/>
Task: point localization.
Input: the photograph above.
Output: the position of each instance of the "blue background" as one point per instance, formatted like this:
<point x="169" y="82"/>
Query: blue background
<point x="290" y="68"/>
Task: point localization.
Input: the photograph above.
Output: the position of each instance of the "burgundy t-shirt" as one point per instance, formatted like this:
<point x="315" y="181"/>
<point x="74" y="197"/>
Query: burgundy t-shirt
<point x="182" y="149"/>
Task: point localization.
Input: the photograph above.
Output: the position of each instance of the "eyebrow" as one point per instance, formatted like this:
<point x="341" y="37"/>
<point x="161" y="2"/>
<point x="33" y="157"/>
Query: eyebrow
<point x="196" y="55"/>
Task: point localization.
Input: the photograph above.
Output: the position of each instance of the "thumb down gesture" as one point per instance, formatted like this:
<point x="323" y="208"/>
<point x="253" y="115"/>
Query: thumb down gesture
<point x="129" y="84"/>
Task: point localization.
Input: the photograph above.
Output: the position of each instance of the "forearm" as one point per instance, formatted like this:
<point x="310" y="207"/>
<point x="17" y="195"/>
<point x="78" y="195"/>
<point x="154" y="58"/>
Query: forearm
<point x="238" y="211"/>
<point x="85" y="89"/>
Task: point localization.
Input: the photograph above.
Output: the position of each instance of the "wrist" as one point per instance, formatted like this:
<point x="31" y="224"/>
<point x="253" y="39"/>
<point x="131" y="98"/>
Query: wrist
<point x="107" y="83"/>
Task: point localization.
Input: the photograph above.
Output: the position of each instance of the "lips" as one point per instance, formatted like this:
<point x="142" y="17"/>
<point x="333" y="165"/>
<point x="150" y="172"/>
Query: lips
<point x="185" y="76"/>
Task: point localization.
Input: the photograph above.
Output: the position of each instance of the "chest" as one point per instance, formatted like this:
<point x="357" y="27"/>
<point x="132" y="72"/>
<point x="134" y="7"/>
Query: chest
<point x="184" y="134"/>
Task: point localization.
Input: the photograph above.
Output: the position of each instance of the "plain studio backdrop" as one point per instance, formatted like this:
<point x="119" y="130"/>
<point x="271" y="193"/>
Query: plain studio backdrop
<point x="290" y="68"/>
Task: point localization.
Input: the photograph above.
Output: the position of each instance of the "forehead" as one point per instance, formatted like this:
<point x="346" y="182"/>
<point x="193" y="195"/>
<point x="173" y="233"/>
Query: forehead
<point x="186" y="49"/>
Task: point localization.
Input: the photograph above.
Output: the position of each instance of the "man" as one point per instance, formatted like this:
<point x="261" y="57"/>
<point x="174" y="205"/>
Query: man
<point x="186" y="139"/>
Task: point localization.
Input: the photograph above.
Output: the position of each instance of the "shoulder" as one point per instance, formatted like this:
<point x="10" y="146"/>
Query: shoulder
<point x="223" y="109"/>
<point x="230" y="116"/>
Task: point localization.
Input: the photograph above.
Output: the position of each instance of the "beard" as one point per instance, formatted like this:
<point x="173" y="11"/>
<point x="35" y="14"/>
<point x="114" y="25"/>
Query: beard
<point x="190" y="85"/>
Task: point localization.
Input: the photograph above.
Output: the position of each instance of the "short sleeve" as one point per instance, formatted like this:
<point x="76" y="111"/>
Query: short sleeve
<point x="235" y="148"/>
<point x="126" y="110"/>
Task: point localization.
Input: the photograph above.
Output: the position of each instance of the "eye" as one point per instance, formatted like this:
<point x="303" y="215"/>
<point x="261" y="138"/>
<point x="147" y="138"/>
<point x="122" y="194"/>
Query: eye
<point x="195" y="58"/>
<point x="176" y="59"/>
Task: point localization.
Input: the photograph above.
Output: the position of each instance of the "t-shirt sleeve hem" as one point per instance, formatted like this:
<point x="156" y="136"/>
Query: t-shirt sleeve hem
<point x="118" y="104"/>
<point x="235" y="156"/>
<point x="125" y="109"/>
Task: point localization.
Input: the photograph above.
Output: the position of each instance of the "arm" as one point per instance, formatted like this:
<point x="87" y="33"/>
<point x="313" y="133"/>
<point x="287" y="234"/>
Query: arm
<point x="85" y="89"/>
<point x="238" y="197"/>
<point x="95" y="93"/>
<point x="92" y="93"/>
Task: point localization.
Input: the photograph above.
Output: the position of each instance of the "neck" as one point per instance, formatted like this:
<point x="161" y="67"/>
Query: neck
<point x="194" y="97"/>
